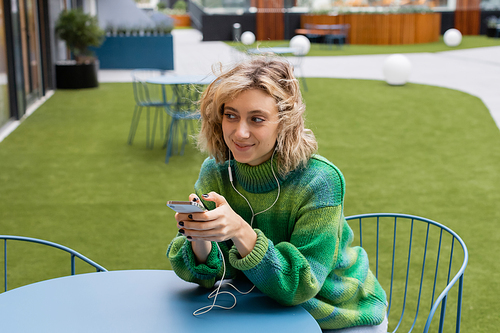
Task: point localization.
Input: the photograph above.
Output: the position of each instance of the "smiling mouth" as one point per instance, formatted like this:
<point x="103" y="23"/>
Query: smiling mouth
<point x="242" y="146"/>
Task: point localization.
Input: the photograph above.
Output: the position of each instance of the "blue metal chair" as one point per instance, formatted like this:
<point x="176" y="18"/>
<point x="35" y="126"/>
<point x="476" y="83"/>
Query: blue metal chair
<point x="147" y="96"/>
<point x="337" y="32"/>
<point x="316" y="38"/>
<point x="183" y="112"/>
<point x="73" y="253"/>
<point x="418" y="263"/>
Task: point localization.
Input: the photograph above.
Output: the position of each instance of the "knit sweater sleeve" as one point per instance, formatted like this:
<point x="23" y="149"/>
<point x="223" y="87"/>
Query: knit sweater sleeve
<point x="185" y="265"/>
<point x="180" y="252"/>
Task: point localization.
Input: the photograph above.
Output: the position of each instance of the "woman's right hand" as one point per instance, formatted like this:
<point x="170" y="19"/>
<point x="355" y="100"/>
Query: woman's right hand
<point x="218" y="225"/>
<point x="201" y="248"/>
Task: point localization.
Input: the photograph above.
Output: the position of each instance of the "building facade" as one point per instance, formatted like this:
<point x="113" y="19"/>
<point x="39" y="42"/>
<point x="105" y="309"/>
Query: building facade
<point x="28" y="52"/>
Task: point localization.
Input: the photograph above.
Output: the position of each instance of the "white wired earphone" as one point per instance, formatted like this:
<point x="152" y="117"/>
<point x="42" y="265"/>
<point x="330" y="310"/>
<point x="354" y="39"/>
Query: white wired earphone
<point x="214" y="294"/>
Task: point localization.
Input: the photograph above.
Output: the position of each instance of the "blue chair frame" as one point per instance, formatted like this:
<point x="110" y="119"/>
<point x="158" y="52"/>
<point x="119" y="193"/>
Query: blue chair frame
<point x="415" y="254"/>
<point x="143" y="98"/>
<point x="72" y="252"/>
<point x="339" y="33"/>
<point x="183" y="111"/>
<point x="316" y="38"/>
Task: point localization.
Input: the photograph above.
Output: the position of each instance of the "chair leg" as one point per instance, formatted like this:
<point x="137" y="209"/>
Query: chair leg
<point x="302" y="77"/>
<point x="161" y="121"/>
<point x="148" y="126"/>
<point x="135" y="122"/>
<point x="167" y="132"/>
<point x="170" y="139"/>
<point x="304" y="82"/>
<point x="175" y="136"/>
<point x="184" y="136"/>
<point x="152" y="141"/>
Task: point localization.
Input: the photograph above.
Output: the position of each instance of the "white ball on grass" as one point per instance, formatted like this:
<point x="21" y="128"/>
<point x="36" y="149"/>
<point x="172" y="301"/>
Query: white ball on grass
<point x="452" y="37"/>
<point x="396" y="69"/>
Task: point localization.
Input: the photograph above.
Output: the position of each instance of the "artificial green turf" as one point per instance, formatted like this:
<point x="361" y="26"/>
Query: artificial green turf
<point x="68" y="176"/>
<point x="468" y="42"/>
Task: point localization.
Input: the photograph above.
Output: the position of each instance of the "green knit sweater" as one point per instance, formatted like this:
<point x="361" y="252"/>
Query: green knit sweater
<point x="303" y="253"/>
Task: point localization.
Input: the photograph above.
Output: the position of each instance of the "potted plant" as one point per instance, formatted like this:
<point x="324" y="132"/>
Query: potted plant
<point x="491" y="26"/>
<point x="178" y="13"/>
<point x="80" y="31"/>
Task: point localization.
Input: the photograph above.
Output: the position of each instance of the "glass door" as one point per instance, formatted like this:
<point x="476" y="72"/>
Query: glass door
<point x="31" y="50"/>
<point x="4" y="89"/>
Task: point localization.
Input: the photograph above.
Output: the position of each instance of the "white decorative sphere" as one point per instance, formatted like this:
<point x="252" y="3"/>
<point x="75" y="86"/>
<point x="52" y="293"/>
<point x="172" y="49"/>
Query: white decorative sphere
<point x="452" y="37"/>
<point x="396" y="69"/>
<point x="301" y="44"/>
<point x="247" y="38"/>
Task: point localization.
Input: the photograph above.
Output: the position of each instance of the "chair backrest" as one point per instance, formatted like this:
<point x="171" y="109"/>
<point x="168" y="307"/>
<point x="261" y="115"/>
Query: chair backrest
<point x="144" y="93"/>
<point x="418" y="262"/>
<point x="184" y="100"/>
<point x="339" y="29"/>
<point x="73" y="254"/>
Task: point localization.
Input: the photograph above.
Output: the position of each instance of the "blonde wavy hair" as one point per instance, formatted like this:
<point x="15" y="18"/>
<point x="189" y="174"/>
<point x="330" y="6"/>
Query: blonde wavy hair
<point x="274" y="76"/>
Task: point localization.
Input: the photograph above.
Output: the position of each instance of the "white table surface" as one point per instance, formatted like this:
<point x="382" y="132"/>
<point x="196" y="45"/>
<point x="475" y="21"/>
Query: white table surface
<point x="140" y="301"/>
<point x="181" y="79"/>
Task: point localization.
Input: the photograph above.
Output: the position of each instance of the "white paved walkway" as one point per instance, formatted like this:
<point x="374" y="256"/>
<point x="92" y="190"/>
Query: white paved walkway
<point x="474" y="71"/>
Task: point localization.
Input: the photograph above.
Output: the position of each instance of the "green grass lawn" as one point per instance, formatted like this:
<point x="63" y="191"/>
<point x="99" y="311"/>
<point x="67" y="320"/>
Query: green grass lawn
<point x="468" y="42"/>
<point x="68" y="176"/>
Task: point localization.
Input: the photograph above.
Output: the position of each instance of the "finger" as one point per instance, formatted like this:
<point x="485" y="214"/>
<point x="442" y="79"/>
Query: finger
<point x="210" y="235"/>
<point x="178" y="217"/>
<point x="194" y="197"/>
<point x="215" y="197"/>
<point x="196" y="217"/>
<point x="197" y="226"/>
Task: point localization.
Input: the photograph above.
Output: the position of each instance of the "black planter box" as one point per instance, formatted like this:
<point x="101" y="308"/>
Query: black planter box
<point x="491" y="32"/>
<point x="70" y="75"/>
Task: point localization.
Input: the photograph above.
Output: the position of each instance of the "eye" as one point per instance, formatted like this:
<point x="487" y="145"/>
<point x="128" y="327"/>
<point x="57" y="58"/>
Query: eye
<point x="229" y="115"/>
<point x="258" y="119"/>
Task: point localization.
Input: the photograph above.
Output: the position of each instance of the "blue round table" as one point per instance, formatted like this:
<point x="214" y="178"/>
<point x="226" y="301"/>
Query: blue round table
<point x="140" y="301"/>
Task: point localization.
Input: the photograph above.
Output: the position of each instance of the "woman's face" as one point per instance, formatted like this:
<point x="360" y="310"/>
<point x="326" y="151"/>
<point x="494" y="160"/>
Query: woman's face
<point x="250" y="126"/>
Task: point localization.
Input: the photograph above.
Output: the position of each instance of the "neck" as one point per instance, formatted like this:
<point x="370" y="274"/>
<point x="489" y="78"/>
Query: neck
<point x="255" y="179"/>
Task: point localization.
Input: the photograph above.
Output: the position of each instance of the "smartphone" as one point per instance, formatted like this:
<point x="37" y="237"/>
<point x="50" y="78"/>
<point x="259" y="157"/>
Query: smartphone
<point x="186" y="206"/>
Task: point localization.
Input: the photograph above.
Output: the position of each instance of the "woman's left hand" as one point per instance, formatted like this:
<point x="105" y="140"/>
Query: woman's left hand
<point x="221" y="224"/>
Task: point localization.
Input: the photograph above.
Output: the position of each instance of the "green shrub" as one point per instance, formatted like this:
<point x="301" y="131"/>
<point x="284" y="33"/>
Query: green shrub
<point x="79" y="31"/>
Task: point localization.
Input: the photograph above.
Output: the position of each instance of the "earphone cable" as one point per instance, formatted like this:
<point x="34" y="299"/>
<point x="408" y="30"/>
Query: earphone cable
<point x="214" y="294"/>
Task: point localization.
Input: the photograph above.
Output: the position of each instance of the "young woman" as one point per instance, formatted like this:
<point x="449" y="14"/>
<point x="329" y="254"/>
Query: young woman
<point x="275" y="209"/>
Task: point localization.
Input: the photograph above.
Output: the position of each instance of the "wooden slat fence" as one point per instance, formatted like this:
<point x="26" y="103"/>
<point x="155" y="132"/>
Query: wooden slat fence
<point x="270" y="20"/>
<point x="468" y="17"/>
<point x="384" y="29"/>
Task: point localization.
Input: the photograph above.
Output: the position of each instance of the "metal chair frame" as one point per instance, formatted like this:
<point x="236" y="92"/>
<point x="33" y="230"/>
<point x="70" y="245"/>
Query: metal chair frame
<point x="421" y="252"/>
<point x="297" y="64"/>
<point x="143" y="99"/>
<point x="182" y="108"/>
<point x="313" y="36"/>
<point x="74" y="254"/>
<point x="339" y="33"/>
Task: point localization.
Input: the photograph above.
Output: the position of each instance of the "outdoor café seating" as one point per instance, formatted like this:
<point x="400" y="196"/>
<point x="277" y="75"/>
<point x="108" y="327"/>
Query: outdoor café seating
<point x="73" y="254"/>
<point x="181" y="107"/>
<point x="328" y="34"/>
<point x="420" y="263"/>
<point x="146" y="96"/>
